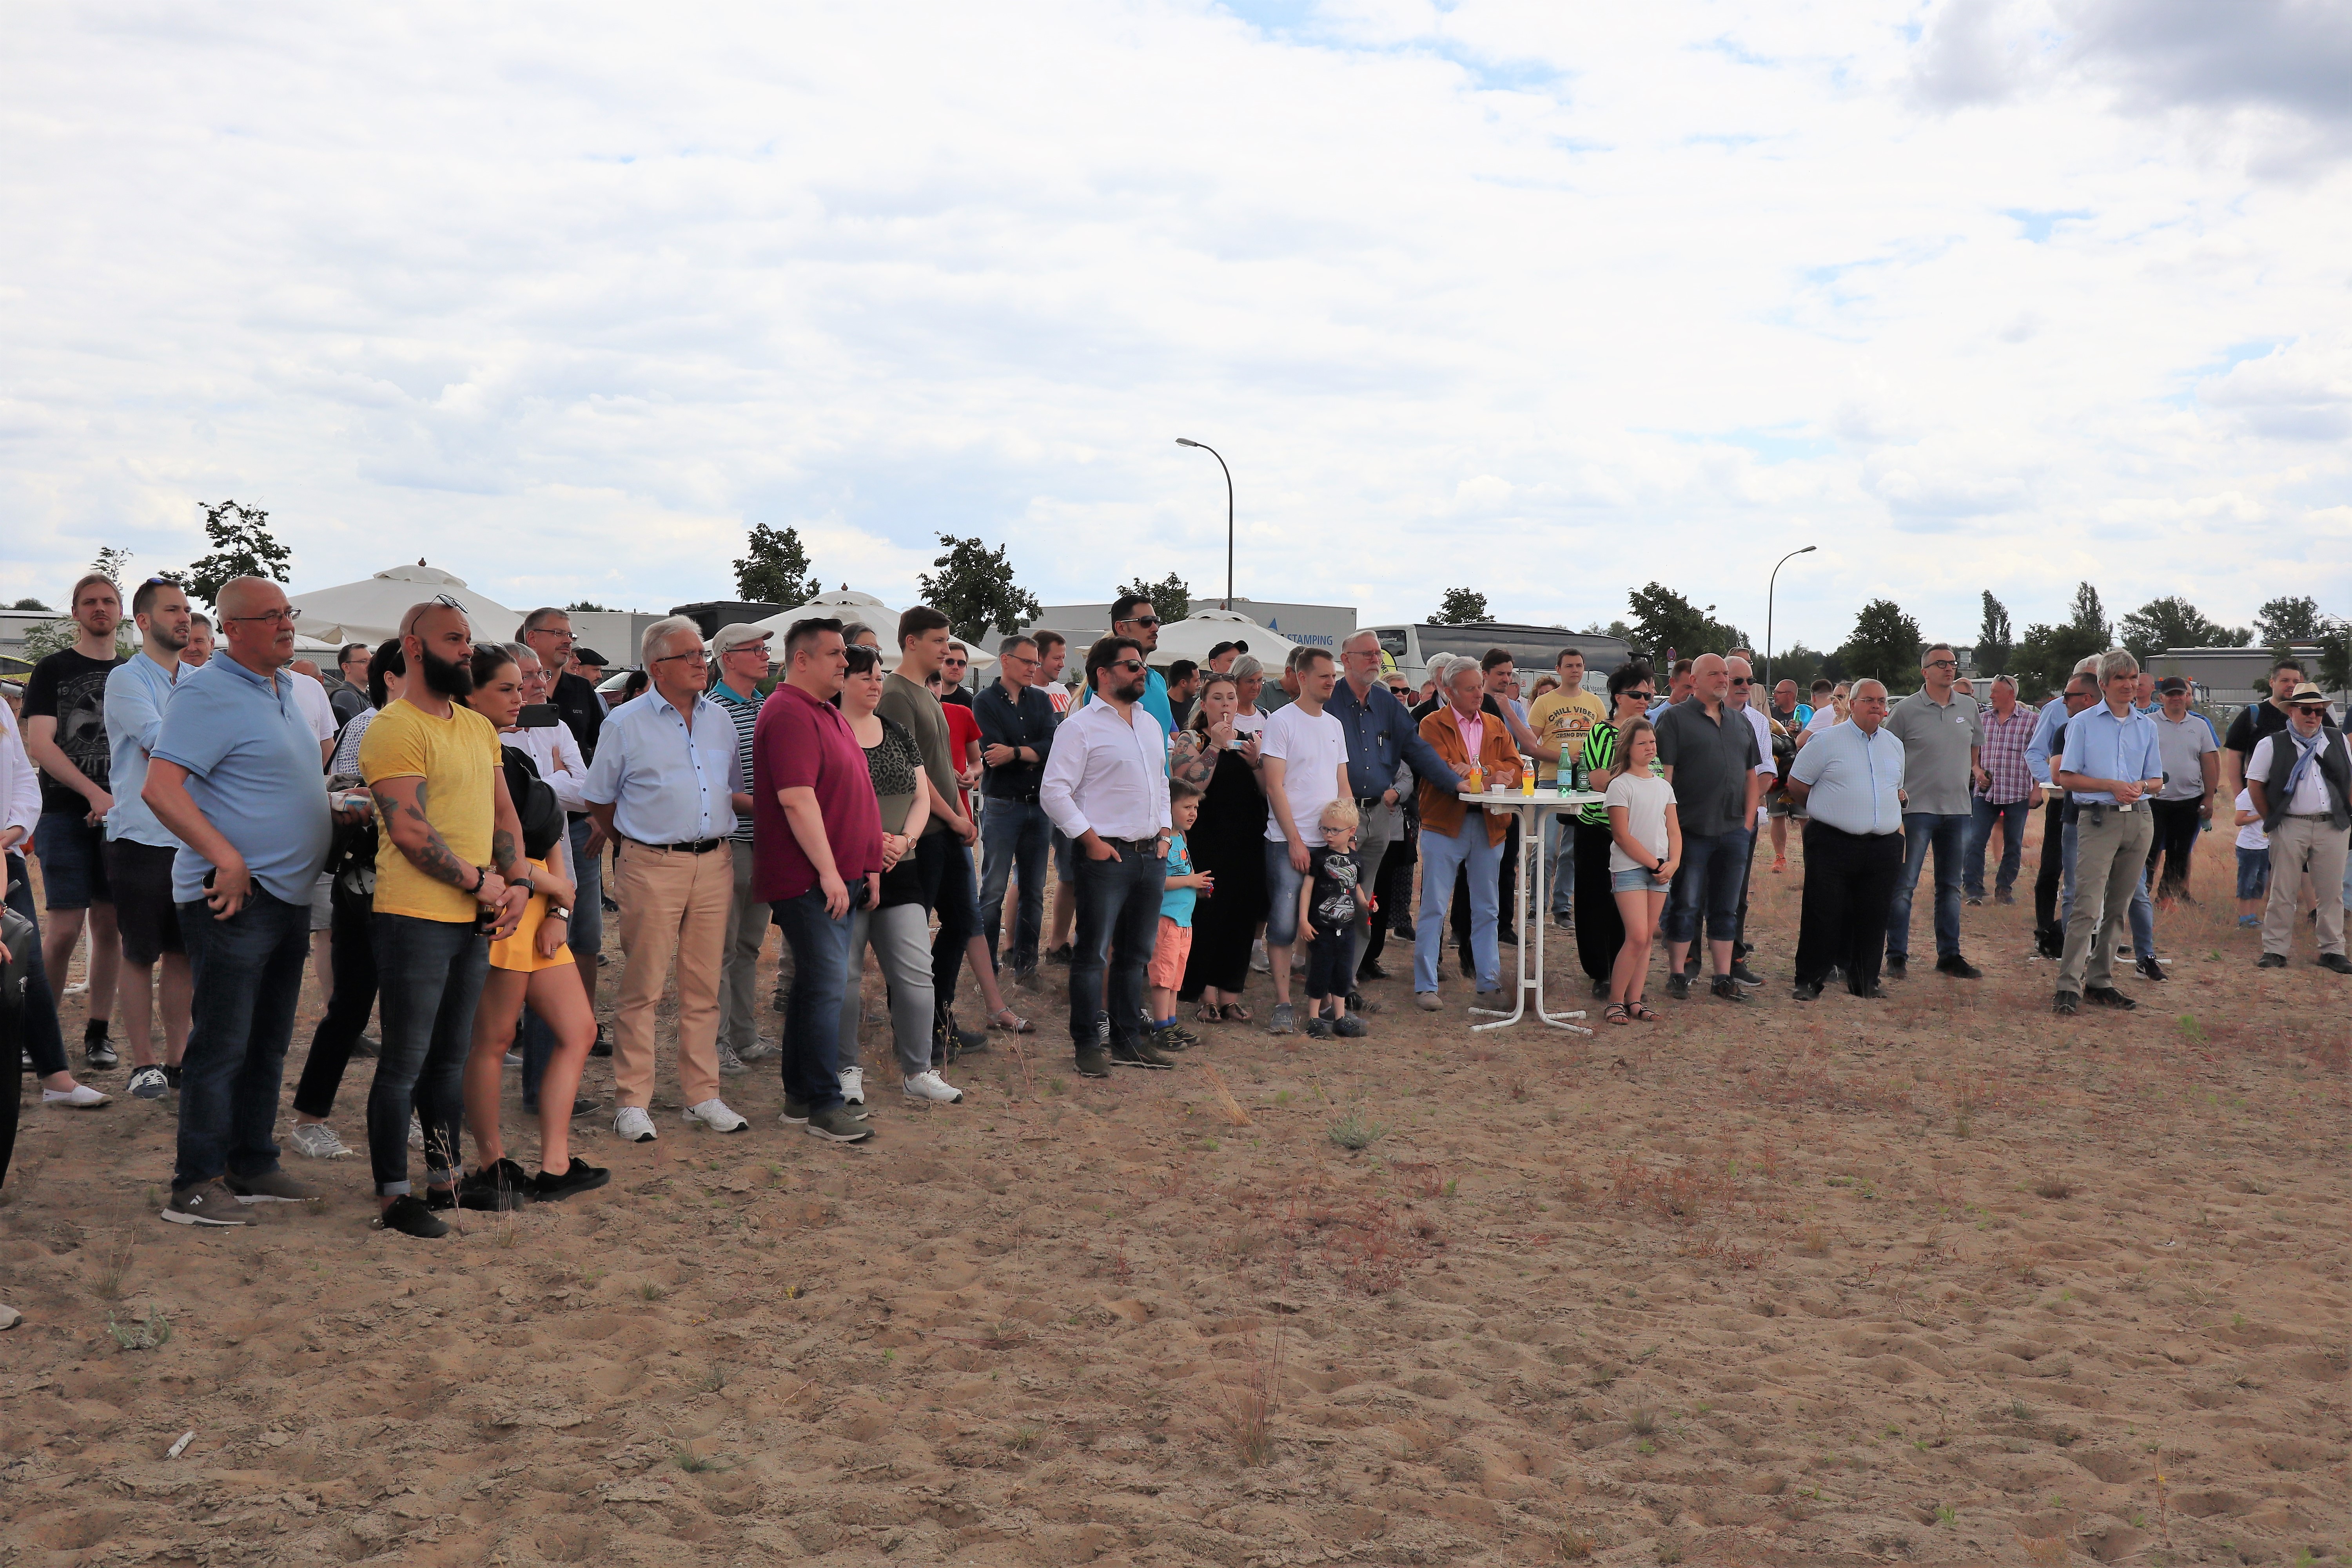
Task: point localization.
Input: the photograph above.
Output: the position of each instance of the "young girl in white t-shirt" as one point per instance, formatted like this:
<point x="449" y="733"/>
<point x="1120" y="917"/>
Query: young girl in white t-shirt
<point x="1645" y="845"/>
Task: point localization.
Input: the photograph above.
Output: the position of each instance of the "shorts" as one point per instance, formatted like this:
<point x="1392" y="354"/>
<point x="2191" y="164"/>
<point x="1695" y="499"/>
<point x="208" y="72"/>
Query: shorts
<point x="517" y="952"/>
<point x="1777" y="803"/>
<point x="144" y="912"/>
<point x="1167" y="955"/>
<point x="2253" y="873"/>
<point x="1635" y="880"/>
<point x="322" y="904"/>
<point x="72" y="852"/>
<point x="1282" y="885"/>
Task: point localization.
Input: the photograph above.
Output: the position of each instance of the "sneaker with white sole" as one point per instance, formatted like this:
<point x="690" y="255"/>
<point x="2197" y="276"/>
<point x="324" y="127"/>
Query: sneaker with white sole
<point x="852" y="1085"/>
<point x="80" y="1096"/>
<point x="931" y="1087"/>
<point x="149" y="1083"/>
<point x="730" y="1064"/>
<point x="317" y="1140"/>
<point x="762" y="1049"/>
<point x="514" y="1058"/>
<point x="713" y="1114"/>
<point x="632" y="1125"/>
<point x="206" y="1204"/>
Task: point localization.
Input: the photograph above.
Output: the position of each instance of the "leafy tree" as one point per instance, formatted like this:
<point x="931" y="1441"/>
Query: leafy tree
<point x="1171" y="596"/>
<point x="775" y="568"/>
<point x="1800" y="664"/>
<point x="1461" y="607"/>
<point x="2174" y="622"/>
<point x="2088" y="615"/>
<point x="1995" y="640"/>
<point x="2335" y="658"/>
<point x="2283" y="621"/>
<point x="1664" y="621"/>
<point x="1885" y="645"/>
<point x="2048" y="654"/>
<point x="974" y="588"/>
<point x="114" y="565"/>
<point x="1617" y="629"/>
<point x="243" y="546"/>
<point x="587" y="607"/>
<point x="29" y="604"/>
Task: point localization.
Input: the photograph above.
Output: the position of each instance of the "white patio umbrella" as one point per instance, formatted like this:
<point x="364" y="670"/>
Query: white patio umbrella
<point x="369" y="611"/>
<point x="846" y="605"/>
<point x="1197" y="633"/>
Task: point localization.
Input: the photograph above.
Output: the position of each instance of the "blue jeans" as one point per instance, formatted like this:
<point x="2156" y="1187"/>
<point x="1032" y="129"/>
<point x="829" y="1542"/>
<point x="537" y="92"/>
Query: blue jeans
<point x="37" y="1021"/>
<point x="811" y="1056"/>
<point x="429" y="976"/>
<point x="247" y="972"/>
<point x="2142" y="909"/>
<point x="1559" y="853"/>
<point x="1016" y="836"/>
<point x="1948" y="834"/>
<point x="1707" y="882"/>
<point x="1441" y="859"/>
<point x="1119" y="922"/>
<point x="2013" y="816"/>
<point x="587" y="933"/>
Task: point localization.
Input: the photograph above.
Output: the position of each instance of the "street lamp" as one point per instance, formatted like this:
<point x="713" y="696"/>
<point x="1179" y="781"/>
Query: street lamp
<point x="1187" y="441"/>
<point x="1771" y="584"/>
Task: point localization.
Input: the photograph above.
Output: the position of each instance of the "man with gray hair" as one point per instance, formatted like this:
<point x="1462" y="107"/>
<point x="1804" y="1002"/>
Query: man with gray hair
<point x="1848" y="781"/>
<point x="2008" y="796"/>
<point x="668" y="787"/>
<point x="1943" y="743"/>
<point x="2109" y="762"/>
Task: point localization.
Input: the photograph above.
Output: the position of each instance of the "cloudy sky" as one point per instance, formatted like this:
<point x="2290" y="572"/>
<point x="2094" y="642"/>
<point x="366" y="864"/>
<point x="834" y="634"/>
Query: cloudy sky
<point x="1549" y="299"/>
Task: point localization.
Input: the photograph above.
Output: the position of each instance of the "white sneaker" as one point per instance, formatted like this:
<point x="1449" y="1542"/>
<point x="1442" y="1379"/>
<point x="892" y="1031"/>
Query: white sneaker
<point x="78" y="988"/>
<point x="931" y="1086"/>
<point x="80" y="1096"/>
<point x="1258" y="959"/>
<point x="730" y="1064"/>
<point x="635" y="1125"/>
<point x="514" y="1058"/>
<point x="853" y="1084"/>
<point x="713" y="1113"/>
<point x="317" y="1140"/>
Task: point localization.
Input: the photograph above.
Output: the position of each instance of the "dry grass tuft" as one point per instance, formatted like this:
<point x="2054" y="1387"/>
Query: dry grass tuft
<point x="1234" y="1114"/>
<point x="1246" y="1418"/>
<point x="2053" y="1188"/>
<point x="114" y="1270"/>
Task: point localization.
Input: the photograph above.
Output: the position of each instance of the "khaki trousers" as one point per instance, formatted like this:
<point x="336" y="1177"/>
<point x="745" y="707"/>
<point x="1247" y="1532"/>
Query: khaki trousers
<point x="747" y="929"/>
<point x="2110" y="857"/>
<point x="2305" y="849"/>
<point x="673" y="905"/>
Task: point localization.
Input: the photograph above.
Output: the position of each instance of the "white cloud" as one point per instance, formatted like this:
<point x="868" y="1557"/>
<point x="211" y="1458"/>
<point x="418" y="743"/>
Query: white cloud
<point x="1560" y="299"/>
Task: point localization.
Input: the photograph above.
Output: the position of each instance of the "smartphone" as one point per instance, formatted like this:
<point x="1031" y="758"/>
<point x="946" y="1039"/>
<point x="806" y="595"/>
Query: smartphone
<point x="538" y="716"/>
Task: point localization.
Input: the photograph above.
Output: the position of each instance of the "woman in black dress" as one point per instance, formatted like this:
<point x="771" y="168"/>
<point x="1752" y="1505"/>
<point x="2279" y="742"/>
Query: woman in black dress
<point x="1229" y="841"/>
<point x="1600" y="928"/>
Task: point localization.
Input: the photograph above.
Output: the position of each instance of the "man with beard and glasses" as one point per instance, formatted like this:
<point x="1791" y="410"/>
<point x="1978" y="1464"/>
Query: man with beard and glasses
<point x="140" y="850"/>
<point x="233" y="775"/>
<point x="449" y="878"/>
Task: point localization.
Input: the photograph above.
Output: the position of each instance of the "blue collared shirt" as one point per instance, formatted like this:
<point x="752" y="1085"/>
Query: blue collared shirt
<point x="2101" y="746"/>
<point x="668" y="778"/>
<point x="136" y="692"/>
<point x="1852" y="778"/>
<point x="253" y="770"/>
<point x="1381" y="733"/>
<point x="2045" y="737"/>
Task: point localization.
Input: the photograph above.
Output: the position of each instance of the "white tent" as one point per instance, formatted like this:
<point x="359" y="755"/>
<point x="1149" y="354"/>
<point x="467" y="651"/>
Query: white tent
<point x="369" y="611"/>
<point x="846" y="605"/>
<point x="1195" y="636"/>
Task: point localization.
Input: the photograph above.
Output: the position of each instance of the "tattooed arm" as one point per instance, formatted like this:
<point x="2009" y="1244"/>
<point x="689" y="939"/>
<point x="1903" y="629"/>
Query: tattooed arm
<point x="400" y="806"/>
<point x="506" y="854"/>
<point x="1190" y="761"/>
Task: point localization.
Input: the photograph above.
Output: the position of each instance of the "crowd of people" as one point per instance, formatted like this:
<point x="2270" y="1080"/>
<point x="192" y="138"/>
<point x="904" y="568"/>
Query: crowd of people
<point x="441" y="823"/>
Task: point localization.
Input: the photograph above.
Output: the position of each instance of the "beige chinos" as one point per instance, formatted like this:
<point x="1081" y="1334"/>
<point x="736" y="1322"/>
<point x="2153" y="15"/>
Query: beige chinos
<point x="674" y="905"/>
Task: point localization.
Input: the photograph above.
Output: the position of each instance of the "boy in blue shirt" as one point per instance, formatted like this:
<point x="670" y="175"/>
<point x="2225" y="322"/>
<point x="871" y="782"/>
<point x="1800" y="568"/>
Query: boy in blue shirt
<point x="1184" y="889"/>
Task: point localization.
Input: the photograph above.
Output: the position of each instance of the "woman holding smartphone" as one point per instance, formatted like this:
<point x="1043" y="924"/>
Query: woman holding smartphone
<point x="1216" y="756"/>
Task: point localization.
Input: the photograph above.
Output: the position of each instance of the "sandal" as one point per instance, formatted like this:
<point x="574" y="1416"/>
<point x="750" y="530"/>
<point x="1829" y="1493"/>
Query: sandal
<point x="1005" y="1018"/>
<point x="1616" y="1014"/>
<point x="1209" y="1013"/>
<point x="1640" y="1012"/>
<point x="1236" y="1013"/>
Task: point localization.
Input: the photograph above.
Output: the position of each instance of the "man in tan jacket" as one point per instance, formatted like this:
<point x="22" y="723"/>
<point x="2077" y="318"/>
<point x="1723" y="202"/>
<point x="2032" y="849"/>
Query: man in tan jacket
<point x="1455" y="835"/>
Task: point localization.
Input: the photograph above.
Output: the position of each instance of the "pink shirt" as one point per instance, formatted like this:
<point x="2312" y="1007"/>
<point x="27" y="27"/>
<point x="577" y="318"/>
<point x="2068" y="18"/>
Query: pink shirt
<point x="799" y="742"/>
<point x="1472" y="727"/>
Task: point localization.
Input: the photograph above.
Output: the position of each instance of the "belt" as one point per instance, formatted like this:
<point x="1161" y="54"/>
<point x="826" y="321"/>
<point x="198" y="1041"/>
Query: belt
<point x="696" y="847"/>
<point x="2309" y="816"/>
<point x="1131" y="842"/>
<point x="1369" y="802"/>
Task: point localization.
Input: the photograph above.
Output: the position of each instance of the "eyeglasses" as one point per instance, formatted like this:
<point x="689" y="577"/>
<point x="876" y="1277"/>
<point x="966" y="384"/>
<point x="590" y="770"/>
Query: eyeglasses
<point x="1942" y="664"/>
<point x="674" y="657"/>
<point x="1018" y="658"/>
<point x="286" y="618"/>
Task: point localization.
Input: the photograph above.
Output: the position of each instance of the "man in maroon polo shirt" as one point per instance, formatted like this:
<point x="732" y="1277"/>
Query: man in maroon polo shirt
<point x="817" y="855"/>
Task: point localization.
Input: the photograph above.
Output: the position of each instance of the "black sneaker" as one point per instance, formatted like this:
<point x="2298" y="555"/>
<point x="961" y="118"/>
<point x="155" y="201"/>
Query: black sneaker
<point x="97" y="1049"/>
<point x="2066" y="1004"/>
<point x="171" y="1076"/>
<point x="603" y="1045"/>
<point x="1744" y="975"/>
<point x="2270" y="960"/>
<point x="1874" y="992"/>
<point x="440" y="1199"/>
<point x="500" y="1187"/>
<point x="2003" y="896"/>
<point x="2108" y="996"/>
<point x="1318" y="1028"/>
<point x="1562" y="921"/>
<point x="2050" y="942"/>
<point x="1141" y="1055"/>
<point x="1599" y="989"/>
<point x="1805" y="993"/>
<point x="554" y="1186"/>
<point x="1678" y="987"/>
<point x="836" y="1124"/>
<point x="1060" y="955"/>
<point x="1507" y="938"/>
<point x="796" y="1112"/>
<point x="1371" y="969"/>
<point x="1727" y="989"/>
<point x="365" y="1049"/>
<point x="2149" y="967"/>
<point x="1959" y="968"/>
<point x="1898" y="966"/>
<point x="1350" y="1027"/>
<point x="411" y="1218"/>
<point x="1094" y="1062"/>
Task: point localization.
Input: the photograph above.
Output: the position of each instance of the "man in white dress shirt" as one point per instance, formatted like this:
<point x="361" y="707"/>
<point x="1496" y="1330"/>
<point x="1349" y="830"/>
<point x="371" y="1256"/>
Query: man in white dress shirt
<point x="1849" y="780"/>
<point x="1105" y="786"/>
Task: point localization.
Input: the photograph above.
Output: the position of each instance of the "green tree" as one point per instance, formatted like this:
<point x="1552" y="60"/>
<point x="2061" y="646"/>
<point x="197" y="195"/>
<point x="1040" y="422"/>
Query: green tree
<point x="2335" y="658"/>
<point x="29" y="604"/>
<point x="1995" y="640"/>
<point x="1171" y="596"/>
<point x="243" y="546"/>
<point x="2087" y="613"/>
<point x="774" y="569"/>
<point x="587" y="607"/>
<point x="2284" y="620"/>
<point x="2174" y="622"/>
<point x="2048" y="654"/>
<point x="974" y="588"/>
<point x="1798" y="663"/>
<point x="1461" y="607"/>
<point x="114" y="565"/>
<point x="1885" y="645"/>
<point x="1664" y="622"/>
<point x="1617" y="629"/>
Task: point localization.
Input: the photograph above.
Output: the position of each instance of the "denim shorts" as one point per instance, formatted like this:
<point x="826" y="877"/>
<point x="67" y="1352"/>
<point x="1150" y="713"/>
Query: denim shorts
<point x="1282" y="885"/>
<point x="72" y="852"/>
<point x="2253" y="873"/>
<point x="1635" y="880"/>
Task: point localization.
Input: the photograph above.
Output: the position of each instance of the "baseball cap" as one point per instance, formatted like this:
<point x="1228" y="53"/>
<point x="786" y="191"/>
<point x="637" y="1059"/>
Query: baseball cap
<point x="736" y="635"/>
<point x="2170" y="684"/>
<point x="2309" y="694"/>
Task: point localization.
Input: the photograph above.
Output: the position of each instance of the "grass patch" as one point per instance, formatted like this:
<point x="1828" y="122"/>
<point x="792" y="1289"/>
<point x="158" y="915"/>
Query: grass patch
<point x="1355" y="1133"/>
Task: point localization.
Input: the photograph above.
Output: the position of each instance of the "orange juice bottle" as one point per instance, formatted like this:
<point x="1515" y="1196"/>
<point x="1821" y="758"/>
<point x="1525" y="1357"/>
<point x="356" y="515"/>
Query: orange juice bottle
<point x="1476" y="782"/>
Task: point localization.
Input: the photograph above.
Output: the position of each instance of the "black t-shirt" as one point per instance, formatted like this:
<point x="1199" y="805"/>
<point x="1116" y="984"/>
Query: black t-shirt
<point x="1332" y="905"/>
<point x="71" y="688"/>
<point x="576" y="700"/>
<point x="2246" y="731"/>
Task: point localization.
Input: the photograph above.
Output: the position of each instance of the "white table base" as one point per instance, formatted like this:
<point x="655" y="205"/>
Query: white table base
<point x="1534" y="891"/>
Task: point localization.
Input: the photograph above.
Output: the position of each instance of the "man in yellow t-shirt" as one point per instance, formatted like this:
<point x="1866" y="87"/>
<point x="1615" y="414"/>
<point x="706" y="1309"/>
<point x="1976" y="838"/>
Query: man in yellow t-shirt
<point x="449" y="852"/>
<point x="1561" y="718"/>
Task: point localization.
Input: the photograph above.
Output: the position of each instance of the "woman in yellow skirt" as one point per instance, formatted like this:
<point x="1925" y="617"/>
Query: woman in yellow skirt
<point x="532" y="964"/>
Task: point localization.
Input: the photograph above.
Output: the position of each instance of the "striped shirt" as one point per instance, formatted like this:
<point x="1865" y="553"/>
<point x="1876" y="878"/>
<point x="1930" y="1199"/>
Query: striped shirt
<point x="1600" y="752"/>
<point x="2003" y="755"/>
<point x="745" y="711"/>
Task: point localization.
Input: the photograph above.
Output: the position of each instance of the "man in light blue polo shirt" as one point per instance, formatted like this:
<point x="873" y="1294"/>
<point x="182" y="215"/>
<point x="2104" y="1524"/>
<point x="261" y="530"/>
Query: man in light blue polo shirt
<point x="233" y="774"/>
<point x="1849" y="780"/>
<point x="140" y="853"/>
<point x="2110" y="763"/>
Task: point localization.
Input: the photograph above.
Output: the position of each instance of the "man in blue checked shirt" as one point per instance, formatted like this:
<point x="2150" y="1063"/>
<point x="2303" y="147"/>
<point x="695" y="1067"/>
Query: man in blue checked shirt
<point x="2110" y="763"/>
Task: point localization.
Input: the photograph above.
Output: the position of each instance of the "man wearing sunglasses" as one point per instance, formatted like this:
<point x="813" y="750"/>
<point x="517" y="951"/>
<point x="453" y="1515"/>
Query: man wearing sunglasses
<point x="1942" y="732"/>
<point x="1132" y="616"/>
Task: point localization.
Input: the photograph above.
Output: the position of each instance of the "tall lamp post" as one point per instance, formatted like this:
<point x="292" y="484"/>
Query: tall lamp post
<point x="1769" y="585"/>
<point x="1187" y="441"/>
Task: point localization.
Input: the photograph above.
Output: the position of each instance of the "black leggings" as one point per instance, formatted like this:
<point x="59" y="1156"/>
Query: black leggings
<point x="1600" y="928"/>
<point x="347" y="1009"/>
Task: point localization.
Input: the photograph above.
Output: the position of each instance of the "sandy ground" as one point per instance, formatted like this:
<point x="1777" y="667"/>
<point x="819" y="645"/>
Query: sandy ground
<point x="1937" y="1279"/>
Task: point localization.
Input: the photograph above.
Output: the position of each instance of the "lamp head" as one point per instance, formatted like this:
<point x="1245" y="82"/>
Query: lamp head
<point x="1809" y="549"/>
<point x="1183" y="441"/>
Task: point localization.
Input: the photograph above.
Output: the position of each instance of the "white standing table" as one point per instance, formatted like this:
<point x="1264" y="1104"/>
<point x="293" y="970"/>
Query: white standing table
<point x="1534" y="813"/>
